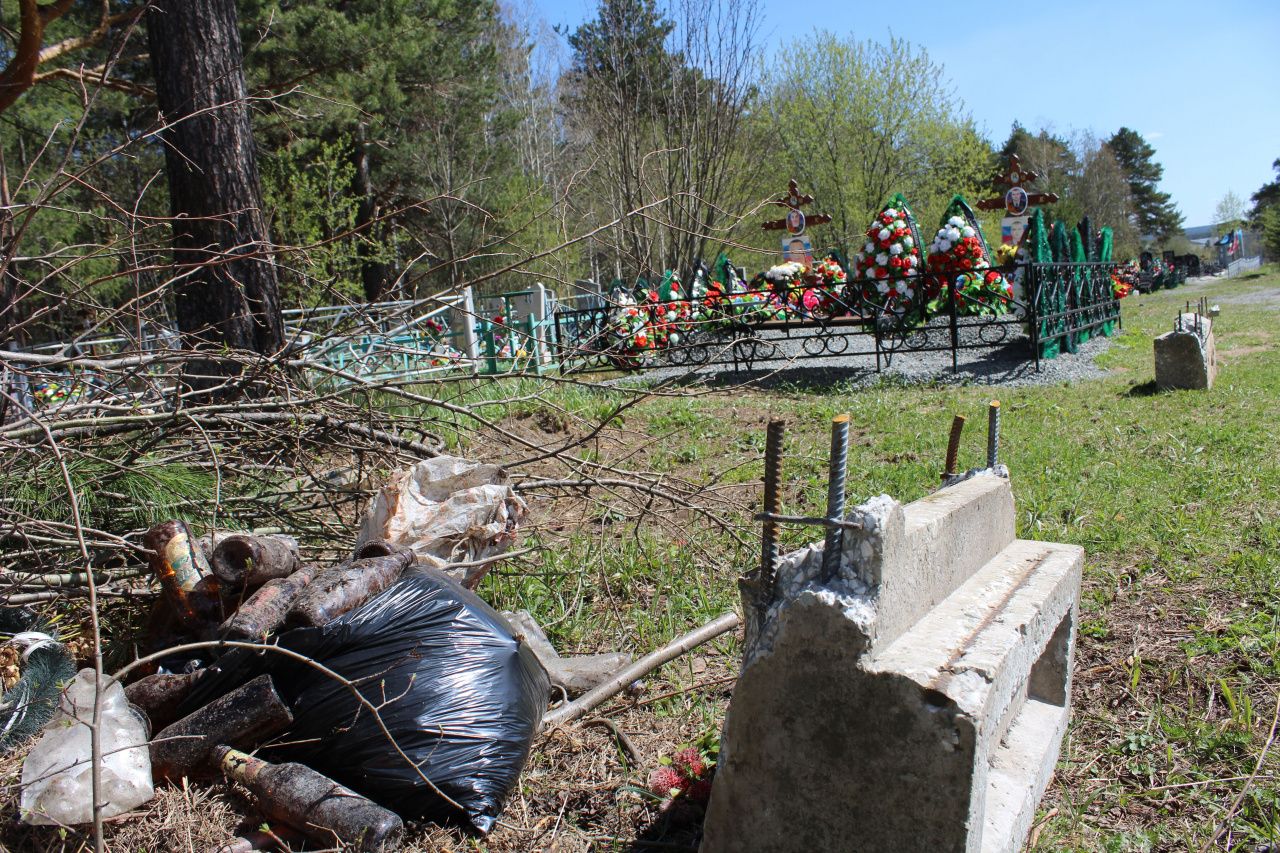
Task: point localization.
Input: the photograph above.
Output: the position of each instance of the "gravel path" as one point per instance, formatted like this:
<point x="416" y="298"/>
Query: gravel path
<point x="1008" y="363"/>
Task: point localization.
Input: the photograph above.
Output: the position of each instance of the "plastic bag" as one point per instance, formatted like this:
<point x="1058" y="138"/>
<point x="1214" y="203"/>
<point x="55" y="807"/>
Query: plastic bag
<point x="57" y="783"/>
<point x="460" y="694"/>
<point x="447" y="510"/>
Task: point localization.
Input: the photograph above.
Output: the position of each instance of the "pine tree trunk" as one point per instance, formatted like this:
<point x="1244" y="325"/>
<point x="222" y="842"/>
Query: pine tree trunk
<point x="226" y="293"/>
<point x="10" y="287"/>
<point x="373" y="271"/>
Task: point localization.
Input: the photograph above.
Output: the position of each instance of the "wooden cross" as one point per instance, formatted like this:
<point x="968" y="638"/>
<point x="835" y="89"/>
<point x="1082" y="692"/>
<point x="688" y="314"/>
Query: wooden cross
<point x="1016" y="176"/>
<point x="794" y="201"/>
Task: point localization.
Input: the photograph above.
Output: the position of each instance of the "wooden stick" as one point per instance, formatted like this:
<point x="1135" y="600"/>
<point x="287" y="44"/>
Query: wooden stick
<point x="615" y="685"/>
<point x="680" y="645"/>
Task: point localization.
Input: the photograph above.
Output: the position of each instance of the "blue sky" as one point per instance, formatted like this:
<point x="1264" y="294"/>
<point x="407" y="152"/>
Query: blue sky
<point x="1201" y="81"/>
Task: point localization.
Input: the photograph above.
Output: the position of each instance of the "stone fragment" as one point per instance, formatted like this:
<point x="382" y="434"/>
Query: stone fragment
<point x="1186" y="358"/>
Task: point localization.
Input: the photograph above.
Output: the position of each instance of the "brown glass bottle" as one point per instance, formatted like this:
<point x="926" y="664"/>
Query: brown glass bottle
<point x="315" y="804"/>
<point x="242" y="561"/>
<point x="245" y="717"/>
<point x="345" y="587"/>
<point x="265" y="610"/>
<point x="184" y="574"/>
<point x="158" y="696"/>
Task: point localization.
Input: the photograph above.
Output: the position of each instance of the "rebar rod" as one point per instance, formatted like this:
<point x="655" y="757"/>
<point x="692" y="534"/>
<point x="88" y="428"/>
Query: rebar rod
<point x="953" y="447"/>
<point x="993" y="434"/>
<point x="772" y="504"/>
<point x="836" y="474"/>
<point x="809" y="520"/>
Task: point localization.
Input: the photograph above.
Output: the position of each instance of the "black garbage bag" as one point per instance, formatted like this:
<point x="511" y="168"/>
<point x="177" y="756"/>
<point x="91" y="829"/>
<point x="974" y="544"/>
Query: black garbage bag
<point x="461" y="695"/>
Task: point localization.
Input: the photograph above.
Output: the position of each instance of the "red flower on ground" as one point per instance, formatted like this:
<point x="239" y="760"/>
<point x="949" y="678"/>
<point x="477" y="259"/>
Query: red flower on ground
<point x="664" y="779"/>
<point x="700" y="791"/>
<point x="689" y="762"/>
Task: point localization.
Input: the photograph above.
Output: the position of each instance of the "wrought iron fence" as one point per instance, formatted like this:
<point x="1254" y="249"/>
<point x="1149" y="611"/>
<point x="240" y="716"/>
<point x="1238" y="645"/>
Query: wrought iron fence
<point x="1070" y="303"/>
<point x="1064" y="305"/>
<point x="1067" y="304"/>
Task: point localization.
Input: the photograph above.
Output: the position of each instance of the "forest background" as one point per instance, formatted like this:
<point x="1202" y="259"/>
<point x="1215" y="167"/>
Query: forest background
<point x="406" y="147"/>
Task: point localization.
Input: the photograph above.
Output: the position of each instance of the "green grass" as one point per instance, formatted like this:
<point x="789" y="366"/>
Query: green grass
<point x="1174" y="496"/>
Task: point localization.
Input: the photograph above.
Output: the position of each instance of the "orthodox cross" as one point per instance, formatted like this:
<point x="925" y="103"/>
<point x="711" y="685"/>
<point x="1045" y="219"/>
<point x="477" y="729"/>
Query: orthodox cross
<point x="794" y="201"/>
<point x="1017" y="198"/>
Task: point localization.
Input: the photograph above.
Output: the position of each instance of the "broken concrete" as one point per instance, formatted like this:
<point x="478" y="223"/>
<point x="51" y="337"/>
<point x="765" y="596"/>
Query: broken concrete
<point x="916" y="701"/>
<point x="1186" y="358"/>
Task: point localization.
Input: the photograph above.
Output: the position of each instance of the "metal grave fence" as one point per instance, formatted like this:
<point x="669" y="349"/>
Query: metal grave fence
<point x="1054" y="308"/>
<point x="1067" y="304"/>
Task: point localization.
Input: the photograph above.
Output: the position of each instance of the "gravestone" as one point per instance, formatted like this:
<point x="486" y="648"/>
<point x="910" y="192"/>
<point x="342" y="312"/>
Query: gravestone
<point x="916" y="700"/>
<point x="1186" y="357"/>
<point x="463" y="317"/>
<point x="535" y="302"/>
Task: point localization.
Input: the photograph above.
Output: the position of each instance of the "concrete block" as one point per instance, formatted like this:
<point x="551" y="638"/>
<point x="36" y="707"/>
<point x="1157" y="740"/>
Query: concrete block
<point x="1186" y="358"/>
<point x="916" y="701"/>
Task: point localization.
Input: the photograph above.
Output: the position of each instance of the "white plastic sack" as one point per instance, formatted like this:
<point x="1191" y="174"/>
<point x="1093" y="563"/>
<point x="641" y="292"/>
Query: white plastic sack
<point x="448" y="510"/>
<point x="57" y="786"/>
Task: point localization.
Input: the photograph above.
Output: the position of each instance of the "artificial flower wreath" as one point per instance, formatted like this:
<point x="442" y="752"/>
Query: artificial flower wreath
<point x="889" y="265"/>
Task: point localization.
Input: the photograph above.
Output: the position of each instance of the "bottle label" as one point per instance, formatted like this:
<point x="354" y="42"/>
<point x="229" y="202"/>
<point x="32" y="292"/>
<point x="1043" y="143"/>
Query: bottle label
<point x="240" y="766"/>
<point x="187" y="562"/>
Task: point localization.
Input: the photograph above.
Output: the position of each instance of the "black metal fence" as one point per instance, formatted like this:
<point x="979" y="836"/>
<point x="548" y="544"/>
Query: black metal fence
<point x="1070" y="303"/>
<point x="1064" y="305"/>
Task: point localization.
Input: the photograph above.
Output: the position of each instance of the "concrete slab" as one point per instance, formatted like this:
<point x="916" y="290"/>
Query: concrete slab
<point x="917" y="700"/>
<point x="1187" y="358"/>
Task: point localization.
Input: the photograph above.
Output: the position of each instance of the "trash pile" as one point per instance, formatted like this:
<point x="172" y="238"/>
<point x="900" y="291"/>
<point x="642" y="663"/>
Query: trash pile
<point x="348" y="698"/>
<point x="378" y="689"/>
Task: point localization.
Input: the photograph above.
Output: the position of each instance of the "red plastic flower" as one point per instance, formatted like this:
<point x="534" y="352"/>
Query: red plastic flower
<point x="689" y="762"/>
<point x="663" y="780"/>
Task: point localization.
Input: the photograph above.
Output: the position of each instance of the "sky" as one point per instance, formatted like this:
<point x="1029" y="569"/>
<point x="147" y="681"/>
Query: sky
<point x="1200" y="81"/>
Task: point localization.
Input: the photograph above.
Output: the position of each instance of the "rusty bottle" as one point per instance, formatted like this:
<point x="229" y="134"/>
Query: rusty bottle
<point x="180" y="566"/>
<point x="159" y="696"/>
<point x="345" y="587"/>
<point x="245" y="717"/>
<point x="265" y="610"/>
<point x="327" y="812"/>
<point x="373" y="548"/>
<point x="243" y="562"/>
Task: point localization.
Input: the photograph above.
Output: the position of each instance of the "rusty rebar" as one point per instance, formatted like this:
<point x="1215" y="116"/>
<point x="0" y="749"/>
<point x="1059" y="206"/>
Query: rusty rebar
<point x="993" y="434"/>
<point x="838" y="469"/>
<point x="953" y="447"/>
<point x="772" y="504"/>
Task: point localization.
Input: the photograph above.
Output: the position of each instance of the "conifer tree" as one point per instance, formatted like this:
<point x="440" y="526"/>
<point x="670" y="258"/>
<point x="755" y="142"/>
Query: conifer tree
<point x="1154" y="213"/>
